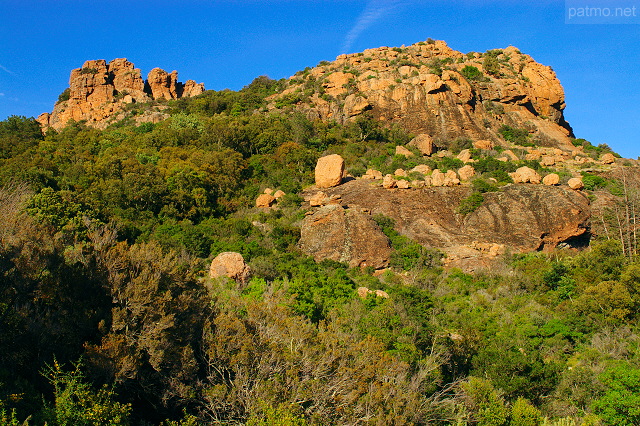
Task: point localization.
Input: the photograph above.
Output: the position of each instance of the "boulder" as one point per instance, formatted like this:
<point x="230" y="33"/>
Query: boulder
<point x="608" y="158"/>
<point x="344" y="235"/>
<point x="230" y="264"/>
<point x="422" y="168"/>
<point x="575" y="183"/>
<point x="318" y="199"/>
<point x="278" y="194"/>
<point x="402" y="184"/>
<point x="265" y="200"/>
<point x="329" y="171"/>
<point x="401" y="150"/>
<point x="437" y="178"/>
<point x="388" y="182"/>
<point x="525" y="175"/>
<point x="464" y="156"/>
<point x="547" y="160"/>
<point x="483" y="144"/>
<point x="400" y="172"/>
<point x="424" y="143"/>
<point x="551" y="179"/>
<point x="466" y="173"/>
<point x="372" y="174"/>
<point x="451" y="178"/>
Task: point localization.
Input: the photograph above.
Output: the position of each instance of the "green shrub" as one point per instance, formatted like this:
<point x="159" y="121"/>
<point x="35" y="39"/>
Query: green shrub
<point x="64" y="96"/>
<point x="471" y="203"/>
<point x="515" y="135"/>
<point x="472" y="73"/>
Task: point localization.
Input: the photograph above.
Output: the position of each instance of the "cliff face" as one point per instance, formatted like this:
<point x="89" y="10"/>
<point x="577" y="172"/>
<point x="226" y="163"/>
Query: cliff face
<point x="99" y="92"/>
<point x="430" y="88"/>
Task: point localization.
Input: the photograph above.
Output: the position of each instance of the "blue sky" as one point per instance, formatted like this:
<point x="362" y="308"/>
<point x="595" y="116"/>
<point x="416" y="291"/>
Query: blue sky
<point x="226" y="43"/>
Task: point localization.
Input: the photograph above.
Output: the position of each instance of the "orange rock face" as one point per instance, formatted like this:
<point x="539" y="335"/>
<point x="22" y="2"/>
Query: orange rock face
<point x="99" y="91"/>
<point x="230" y="264"/>
<point x="402" y="85"/>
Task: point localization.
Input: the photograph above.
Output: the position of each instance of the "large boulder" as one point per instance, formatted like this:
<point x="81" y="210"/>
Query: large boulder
<point x="466" y="172"/>
<point x="525" y="175"/>
<point x="608" y="158"/>
<point x="424" y="143"/>
<point x="551" y="179"/>
<point x="230" y="264"/>
<point x="329" y="171"/>
<point x="344" y="235"/>
<point x="575" y="183"/>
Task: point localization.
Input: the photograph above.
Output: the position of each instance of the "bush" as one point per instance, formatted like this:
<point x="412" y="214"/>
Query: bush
<point x="472" y="73"/>
<point x="515" y="135"/>
<point x="471" y="203"/>
<point x="64" y="96"/>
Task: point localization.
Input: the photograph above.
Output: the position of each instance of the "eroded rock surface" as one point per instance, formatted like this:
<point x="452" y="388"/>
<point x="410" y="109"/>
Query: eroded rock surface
<point x="99" y="91"/>
<point x="344" y="235"/>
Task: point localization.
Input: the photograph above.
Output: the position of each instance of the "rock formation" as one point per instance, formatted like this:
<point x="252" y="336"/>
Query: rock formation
<point x="520" y="217"/>
<point x="344" y="235"/>
<point x="435" y="91"/>
<point x="99" y="92"/>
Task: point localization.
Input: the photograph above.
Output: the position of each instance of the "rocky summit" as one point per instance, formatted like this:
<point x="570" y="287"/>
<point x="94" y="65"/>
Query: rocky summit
<point x="99" y="93"/>
<point x="431" y="89"/>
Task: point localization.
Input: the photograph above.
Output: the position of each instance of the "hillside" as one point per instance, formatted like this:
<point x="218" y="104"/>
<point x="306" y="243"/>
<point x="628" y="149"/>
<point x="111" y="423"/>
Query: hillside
<point x="406" y="236"/>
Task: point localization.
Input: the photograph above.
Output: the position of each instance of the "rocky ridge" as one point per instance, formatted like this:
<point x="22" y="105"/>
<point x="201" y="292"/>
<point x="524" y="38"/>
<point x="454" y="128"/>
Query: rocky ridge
<point x="429" y="88"/>
<point x="100" y="92"/>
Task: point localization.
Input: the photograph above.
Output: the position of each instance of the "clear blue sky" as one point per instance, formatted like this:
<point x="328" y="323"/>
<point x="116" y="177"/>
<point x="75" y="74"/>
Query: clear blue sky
<point x="226" y="43"/>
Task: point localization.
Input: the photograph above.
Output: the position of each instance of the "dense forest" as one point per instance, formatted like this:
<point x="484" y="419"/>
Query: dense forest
<point x="108" y="317"/>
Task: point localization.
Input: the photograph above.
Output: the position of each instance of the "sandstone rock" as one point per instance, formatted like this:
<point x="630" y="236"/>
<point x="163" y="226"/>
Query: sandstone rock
<point x="547" y="160"/>
<point x="318" y="199"/>
<point x="525" y="175"/>
<point x="402" y="184"/>
<point x="464" y="156"/>
<point x="422" y="168"/>
<point x="278" y="194"/>
<point x="483" y="144"/>
<point x="520" y="217"/>
<point x="437" y="178"/>
<point x="418" y="184"/>
<point x="372" y="174"/>
<point x="575" y="183"/>
<point x="401" y="150"/>
<point x="268" y="191"/>
<point x="100" y="91"/>
<point x="265" y="200"/>
<point x="388" y="182"/>
<point x="329" y="171"/>
<point x="363" y="292"/>
<point x="344" y="235"/>
<point x="400" y="172"/>
<point x="163" y="84"/>
<point x="551" y="179"/>
<point x="230" y="264"/>
<point x="608" y="158"/>
<point x="424" y="143"/>
<point x="466" y="173"/>
<point x="191" y="89"/>
<point x="451" y="178"/>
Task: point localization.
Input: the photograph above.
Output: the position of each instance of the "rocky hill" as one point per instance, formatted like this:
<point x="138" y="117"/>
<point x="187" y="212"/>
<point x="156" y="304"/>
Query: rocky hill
<point x="430" y="88"/>
<point x="99" y="93"/>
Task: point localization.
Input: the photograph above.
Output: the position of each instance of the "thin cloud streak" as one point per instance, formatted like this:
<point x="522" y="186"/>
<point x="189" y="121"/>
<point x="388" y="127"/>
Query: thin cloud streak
<point x="374" y="11"/>
<point x="6" y="70"/>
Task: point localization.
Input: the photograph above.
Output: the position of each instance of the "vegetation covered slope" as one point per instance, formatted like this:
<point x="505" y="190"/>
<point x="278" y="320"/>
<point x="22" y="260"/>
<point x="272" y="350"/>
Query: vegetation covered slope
<point x="107" y="315"/>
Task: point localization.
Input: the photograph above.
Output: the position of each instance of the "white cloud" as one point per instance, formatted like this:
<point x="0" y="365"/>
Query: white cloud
<point x="375" y="10"/>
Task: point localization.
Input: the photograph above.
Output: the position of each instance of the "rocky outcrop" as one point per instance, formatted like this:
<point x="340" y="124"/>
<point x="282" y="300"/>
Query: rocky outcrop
<point x="329" y="171"/>
<point x="99" y="92"/>
<point x="230" y="264"/>
<point x="520" y="217"/>
<point x="344" y="235"/>
<point x="433" y="90"/>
